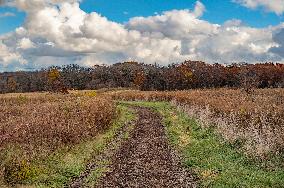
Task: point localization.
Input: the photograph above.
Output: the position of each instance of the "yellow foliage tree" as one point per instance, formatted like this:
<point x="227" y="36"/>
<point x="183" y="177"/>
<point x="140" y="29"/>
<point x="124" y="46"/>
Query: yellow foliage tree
<point x="54" y="80"/>
<point x="12" y="84"/>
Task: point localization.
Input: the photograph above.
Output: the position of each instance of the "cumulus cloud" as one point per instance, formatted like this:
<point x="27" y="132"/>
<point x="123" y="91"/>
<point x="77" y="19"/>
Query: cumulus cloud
<point x="7" y="56"/>
<point x="199" y="39"/>
<point x="238" y="44"/>
<point x="276" y="6"/>
<point x="279" y="39"/>
<point x="25" y="43"/>
<point x="33" y="5"/>
<point x="59" y="32"/>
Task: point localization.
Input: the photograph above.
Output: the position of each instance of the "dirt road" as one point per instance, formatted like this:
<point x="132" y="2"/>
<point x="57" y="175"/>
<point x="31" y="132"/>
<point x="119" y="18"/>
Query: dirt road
<point x="146" y="158"/>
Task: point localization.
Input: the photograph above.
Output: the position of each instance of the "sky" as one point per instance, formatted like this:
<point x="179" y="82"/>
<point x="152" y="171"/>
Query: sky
<point x="217" y="11"/>
<point x="39" y="33"/>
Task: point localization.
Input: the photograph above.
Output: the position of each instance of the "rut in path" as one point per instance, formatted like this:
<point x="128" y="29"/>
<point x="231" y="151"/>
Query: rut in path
<point x="146" y="158"/>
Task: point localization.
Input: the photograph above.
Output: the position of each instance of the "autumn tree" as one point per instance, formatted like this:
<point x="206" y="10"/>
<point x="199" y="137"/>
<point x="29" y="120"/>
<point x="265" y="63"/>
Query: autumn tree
<point x="178" y="76"/>
<point x="139" y="79"/>
<point x="186" y="75"/>
<point x="55" y="82"/>
<point x="11" y="84"/>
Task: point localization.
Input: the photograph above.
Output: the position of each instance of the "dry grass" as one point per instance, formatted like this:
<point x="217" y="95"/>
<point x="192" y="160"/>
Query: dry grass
<point x="255" y="121"/>
<point x="52" y="120"/>
<point x="34" y="125"/>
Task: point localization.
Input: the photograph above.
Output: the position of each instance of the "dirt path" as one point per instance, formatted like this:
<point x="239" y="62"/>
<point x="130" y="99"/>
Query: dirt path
<point x="106" y="155"/>
<point x="146" y="159"/>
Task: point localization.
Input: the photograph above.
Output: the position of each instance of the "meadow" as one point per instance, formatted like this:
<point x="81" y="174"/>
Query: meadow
<point x="252" y="120"/>
<point x="36" y="125"/>
<point x="226" y="137"/>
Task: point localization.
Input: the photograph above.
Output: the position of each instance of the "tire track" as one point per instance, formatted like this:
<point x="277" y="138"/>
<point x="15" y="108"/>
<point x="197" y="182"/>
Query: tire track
<point x="106" y="155"/>
<point x="146" y="158"/>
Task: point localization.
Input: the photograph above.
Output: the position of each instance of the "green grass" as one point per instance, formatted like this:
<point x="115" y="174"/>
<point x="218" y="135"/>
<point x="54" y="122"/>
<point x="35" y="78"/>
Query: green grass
<point x="215" y="162"/>
<point x="57" y="169"/>
<point x="102" y="166"/>
<point x="92" y="179"/>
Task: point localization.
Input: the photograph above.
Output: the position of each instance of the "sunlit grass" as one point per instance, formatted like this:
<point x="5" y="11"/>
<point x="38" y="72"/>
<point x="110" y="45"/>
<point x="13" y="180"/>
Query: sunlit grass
<point x="254" y="119"/>
<point x="215" y="162"/>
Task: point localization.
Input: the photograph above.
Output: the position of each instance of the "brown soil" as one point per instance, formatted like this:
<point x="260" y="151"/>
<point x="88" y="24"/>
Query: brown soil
<point x="146" y="158"/>
<point x="107" y="155"/>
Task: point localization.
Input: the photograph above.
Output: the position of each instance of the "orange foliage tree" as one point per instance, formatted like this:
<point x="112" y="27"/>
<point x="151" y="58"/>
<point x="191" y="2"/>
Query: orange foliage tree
<point x="139" y="79"/>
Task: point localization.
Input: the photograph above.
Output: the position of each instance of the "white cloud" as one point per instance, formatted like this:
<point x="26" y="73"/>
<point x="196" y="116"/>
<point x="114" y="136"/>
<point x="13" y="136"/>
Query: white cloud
<point x="199" y="39"/>
<point x="199" y="9"/>
<point x="237" y="44"/>
<point x="7" y="56"/>
<point x="64" y="33"/>
<point x="279" y="39"/>
<point x="33" y="5"/>
<point x="7" y="14"/>
<point x="276" y="6"/>
<point x="25" y="43"/>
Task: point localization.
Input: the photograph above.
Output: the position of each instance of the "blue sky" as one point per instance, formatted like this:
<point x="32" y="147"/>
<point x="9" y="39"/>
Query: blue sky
<point x="89" y="32"/>
<point x="217" y="11"/>
<point x="9" y="23"/>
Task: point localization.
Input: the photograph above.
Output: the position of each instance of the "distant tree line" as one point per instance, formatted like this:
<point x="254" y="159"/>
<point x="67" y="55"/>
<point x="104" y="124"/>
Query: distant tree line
<point x="187" y="75"/>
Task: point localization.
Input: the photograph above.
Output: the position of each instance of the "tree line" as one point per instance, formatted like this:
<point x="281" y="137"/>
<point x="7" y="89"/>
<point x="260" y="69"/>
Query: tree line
<point x="187" y="75"/>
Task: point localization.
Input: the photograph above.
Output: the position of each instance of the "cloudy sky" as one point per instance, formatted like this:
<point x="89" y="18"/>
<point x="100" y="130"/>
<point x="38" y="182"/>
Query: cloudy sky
<point x="40" y="33"/>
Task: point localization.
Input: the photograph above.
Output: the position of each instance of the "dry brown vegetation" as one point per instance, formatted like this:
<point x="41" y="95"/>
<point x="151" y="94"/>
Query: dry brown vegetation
<point x="253" y="120"/>
<point x="33" y="125"/>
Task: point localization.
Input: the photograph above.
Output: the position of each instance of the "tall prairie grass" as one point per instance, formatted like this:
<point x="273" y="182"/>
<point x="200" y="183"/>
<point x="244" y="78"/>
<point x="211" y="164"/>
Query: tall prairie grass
<point x="35" y="125"/>
<point x="255" y="121"/>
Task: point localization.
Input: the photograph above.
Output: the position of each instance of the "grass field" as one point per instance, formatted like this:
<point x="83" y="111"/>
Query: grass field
<point x="226" y="138"/>
<point x="216" y="162"/>
<point x="49" y="138"/>
<point x="254" y="120"/>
